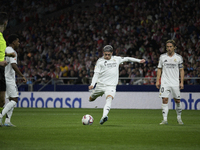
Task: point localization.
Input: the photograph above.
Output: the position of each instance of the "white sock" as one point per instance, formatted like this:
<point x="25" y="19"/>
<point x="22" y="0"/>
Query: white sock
<point x="107" y="106"/>
<point x="8" y="107"/>
<point x="165" y="111"/>
<point x="9" y="115"/>
<point x="178" y="110"/>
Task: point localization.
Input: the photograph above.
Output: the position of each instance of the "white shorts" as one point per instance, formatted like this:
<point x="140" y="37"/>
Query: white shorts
<point x="11" y="91"/>
<point x="103" y="89"/>
<point x="165" y="91"/>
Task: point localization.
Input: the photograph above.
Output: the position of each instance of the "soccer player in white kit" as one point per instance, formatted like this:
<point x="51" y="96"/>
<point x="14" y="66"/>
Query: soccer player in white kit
<point x="170" y="65"/>
<point x="106" y="75"/>
<point x="11" y="87"/>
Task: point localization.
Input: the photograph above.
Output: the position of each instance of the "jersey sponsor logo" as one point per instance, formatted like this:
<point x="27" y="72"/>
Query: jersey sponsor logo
<point x="170" y="65"/>
<point x="111" y="65"/>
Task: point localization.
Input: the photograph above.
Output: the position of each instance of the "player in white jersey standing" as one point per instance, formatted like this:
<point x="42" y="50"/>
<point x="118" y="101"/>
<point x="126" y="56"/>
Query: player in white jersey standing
<point x="11" y="87"/>
<point x="106" y="75"/>
<point x="170" y="65"/>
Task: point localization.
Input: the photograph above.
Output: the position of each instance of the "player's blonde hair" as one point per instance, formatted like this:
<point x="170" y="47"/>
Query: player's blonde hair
<point x="172" y="42"/>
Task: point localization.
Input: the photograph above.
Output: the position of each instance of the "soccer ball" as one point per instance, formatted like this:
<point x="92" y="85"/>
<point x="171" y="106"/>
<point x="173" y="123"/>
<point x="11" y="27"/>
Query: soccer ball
<point x="87" y="120"/>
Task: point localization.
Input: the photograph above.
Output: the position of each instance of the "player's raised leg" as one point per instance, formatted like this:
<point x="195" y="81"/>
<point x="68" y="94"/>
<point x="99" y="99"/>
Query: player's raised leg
<point x="91" y="99"/>
<point x="98" y="91"/>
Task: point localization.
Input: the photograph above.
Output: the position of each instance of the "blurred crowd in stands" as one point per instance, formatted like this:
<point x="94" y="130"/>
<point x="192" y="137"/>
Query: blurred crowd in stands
<point x="21" y="11"/>
<point x="69" y="45"/>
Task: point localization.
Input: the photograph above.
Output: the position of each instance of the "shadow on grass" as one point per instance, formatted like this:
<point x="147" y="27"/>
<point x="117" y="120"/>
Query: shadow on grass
<point x="111" y="125"/>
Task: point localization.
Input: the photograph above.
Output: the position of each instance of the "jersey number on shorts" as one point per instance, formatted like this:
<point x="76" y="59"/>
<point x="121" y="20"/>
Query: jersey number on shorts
<point x="162" y="89"/>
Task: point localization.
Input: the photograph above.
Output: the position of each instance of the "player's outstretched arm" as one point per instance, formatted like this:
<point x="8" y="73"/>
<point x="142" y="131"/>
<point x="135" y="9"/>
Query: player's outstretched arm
<point x="14" y="66"/>
<point x="131" y="59"/>
<point x="158" y="77"/>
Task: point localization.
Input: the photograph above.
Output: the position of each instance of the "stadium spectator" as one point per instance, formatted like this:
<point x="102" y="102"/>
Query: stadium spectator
<point x="36" y="78"/>
<point x="80" y="79"/>
<point x="45" y="78"/>
<point x="148" y="79"/>
<point x="72" y="74"/>
<point x="193" y="81"/>
<point x="51" y="73"/>
<point x="64" y="69"/>
<point x="123" y="73"/>
<point x="137" y="81"/>
<point x="131" y="51"/>
<point x="165" y="37"/>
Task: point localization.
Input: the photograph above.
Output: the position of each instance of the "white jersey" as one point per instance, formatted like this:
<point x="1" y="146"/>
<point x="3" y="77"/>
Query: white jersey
<point x="9" y="71"/>
<point x="109" y="69"/>
<point x="170" y="69"/>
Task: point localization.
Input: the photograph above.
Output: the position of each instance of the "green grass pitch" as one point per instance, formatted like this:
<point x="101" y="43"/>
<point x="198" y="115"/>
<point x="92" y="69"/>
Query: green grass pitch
<point x="126" y="129"/>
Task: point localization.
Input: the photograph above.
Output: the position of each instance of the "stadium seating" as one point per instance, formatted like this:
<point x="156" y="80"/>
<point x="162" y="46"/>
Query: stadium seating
<point x="75" y="37"/>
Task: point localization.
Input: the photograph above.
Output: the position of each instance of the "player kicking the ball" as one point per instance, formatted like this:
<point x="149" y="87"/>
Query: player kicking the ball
<point x="11" y="88"/>
<point x="170" y="64"/>
<point x="106" y="75"/>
